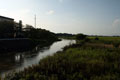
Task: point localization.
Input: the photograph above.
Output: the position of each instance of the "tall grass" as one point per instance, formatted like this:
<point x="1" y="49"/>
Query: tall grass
<point x="76" y="63"/>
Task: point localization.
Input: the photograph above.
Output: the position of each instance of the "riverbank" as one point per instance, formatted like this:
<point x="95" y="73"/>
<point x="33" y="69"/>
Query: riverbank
<point x="22" y="44"/>
<point x="21" y="60"/>
<point x="75" y="62"/>
<point x="26" y="40"/>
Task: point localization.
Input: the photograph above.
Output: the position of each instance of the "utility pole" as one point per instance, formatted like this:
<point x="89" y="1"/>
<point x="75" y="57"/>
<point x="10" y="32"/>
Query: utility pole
<point x="35" y="21"/>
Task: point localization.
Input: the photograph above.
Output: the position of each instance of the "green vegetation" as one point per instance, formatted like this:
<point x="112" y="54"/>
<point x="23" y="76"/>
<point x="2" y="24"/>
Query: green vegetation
<point x="34" y="36"/>
<point x="40" y="34"/>
<point x="65" y="35"/>
<point x="115" y="41"/>
<point x="106" y="38"/>
<point x="9" y="29"/>
<point x="88" y="61"/>
<point x="80" y="36"/>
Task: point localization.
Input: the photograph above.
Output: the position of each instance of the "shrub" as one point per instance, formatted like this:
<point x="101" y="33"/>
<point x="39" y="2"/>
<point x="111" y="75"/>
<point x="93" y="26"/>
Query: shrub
<point x="80" y="36"/>
<point x="96" y="38"/>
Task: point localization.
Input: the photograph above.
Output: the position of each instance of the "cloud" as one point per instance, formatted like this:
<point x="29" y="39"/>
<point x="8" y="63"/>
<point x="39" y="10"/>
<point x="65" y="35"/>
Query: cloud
<point x="116" y="23"/>
<point x="50" y="12"/>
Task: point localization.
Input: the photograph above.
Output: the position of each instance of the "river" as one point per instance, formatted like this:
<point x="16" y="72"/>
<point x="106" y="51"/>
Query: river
<point x="19" y="61"/>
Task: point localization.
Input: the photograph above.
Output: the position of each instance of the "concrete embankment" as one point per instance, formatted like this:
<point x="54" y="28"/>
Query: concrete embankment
<point x="18" y="44"/>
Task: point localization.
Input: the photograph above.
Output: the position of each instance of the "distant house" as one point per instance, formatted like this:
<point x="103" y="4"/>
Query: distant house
<point x="28" y="28"/>
<point x="2" y="18"/>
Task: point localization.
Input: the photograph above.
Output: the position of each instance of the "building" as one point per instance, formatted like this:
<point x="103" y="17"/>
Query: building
<point x="27" y="27"/>
<point x="9" y="27"/>
<point x="2" y="18"/>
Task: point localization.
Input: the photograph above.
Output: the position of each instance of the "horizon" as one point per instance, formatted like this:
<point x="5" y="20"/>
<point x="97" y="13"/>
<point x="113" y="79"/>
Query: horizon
<point x="95" y="17"/>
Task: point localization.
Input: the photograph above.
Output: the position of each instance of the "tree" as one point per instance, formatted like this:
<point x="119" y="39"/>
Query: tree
<point x="40" y="34"/>
<point x="80" y="36"/>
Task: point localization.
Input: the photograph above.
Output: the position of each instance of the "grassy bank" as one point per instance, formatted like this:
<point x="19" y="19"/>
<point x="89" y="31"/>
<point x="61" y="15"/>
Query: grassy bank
<point x="76" y="62"/>
<point x="109" y="39"/>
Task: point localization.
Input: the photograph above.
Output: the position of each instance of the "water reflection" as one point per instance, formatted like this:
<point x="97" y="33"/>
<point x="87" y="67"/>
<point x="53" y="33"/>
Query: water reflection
<point x="19" y="61"/>
<point x="19" y="58"/>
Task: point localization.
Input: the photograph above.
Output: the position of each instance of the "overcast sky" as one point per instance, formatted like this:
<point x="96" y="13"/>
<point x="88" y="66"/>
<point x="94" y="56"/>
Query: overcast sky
<point x="97" y="17"/>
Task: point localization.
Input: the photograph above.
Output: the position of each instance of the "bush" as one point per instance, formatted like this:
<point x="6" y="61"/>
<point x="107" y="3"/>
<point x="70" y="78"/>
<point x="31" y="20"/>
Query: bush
<point x="80" y="36"/>
<point x="40" y="34"/>
<point x="96" y="38"/>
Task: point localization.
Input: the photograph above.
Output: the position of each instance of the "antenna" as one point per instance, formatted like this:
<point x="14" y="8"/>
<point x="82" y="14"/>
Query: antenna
<point x="35" y="21"/>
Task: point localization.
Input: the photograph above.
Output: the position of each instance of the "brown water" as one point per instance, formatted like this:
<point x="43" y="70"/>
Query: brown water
<point x="19" y="61"/>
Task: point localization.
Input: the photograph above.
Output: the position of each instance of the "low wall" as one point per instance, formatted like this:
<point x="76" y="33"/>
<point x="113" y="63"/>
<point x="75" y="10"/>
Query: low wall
<point x="18" y="44"/>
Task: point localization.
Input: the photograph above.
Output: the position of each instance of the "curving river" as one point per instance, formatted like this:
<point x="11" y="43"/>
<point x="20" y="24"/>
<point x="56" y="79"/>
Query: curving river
<point x="19" y="61"/>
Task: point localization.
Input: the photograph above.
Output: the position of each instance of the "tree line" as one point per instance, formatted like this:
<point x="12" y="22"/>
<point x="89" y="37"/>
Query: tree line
<point x="15" y="30"/>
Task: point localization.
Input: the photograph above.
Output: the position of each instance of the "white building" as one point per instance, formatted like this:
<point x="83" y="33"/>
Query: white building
<point x="2" y="18"/>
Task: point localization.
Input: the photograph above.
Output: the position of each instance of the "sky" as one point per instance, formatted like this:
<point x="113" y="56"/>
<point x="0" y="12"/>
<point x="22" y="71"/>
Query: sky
<point x="92" y="17"/>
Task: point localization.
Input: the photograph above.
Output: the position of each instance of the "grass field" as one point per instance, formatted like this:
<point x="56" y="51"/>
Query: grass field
<point x="109" y="38"/>
<point x="77" y="62"/>
<point x="101" y="38"/>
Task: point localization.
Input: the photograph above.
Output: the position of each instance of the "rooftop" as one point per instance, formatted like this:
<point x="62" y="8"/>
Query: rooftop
<point x="6" y="17"/>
